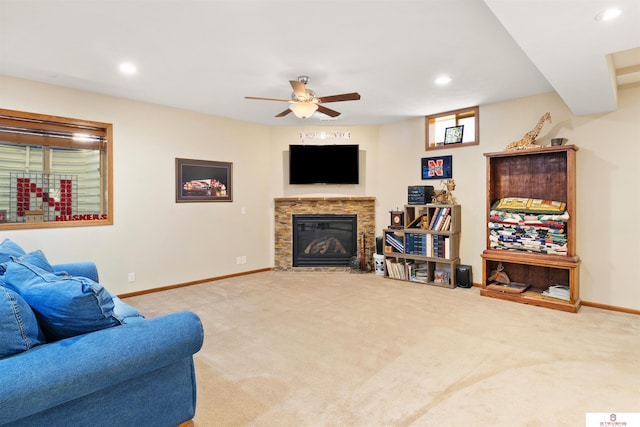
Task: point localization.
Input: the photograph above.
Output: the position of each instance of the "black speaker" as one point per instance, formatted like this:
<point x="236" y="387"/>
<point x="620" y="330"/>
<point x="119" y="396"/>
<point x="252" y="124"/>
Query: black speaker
<point x="419" y="194"/>
<point x="463" y="276"/>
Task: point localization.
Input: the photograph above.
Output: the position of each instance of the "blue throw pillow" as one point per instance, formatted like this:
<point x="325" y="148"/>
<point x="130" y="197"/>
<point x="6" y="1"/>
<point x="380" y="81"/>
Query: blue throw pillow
<point x="38" y="259"/>
<point x="9" y="248"/>
<point x="19" y="330"/>
<point x="64" y="306"/>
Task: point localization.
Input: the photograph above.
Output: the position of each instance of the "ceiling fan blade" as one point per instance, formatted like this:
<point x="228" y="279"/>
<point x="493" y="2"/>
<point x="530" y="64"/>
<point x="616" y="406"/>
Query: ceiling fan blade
<point x="284" y="113"/>
<point x="267" y="99"/>
<point x="328" y="111"/>
<point x="354" y="96"/>
<point x="298" y="88"/>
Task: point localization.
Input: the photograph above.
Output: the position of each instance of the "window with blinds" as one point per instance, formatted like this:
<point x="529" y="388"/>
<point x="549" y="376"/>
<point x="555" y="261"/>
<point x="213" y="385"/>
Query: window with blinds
<point x="54" y="171"/>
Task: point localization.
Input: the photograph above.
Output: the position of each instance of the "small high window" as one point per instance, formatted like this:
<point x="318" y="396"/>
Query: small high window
<point x="452" y="129"/>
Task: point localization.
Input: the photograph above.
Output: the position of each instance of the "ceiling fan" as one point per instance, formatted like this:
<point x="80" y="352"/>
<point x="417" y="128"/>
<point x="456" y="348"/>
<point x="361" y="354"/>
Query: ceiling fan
<point x="304" y="102"/>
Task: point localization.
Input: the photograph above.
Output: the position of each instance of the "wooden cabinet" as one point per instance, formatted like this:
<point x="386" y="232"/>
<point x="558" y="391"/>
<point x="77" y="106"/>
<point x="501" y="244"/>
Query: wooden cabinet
<point x="427" y="249"/>
<point x="546" y="173"/>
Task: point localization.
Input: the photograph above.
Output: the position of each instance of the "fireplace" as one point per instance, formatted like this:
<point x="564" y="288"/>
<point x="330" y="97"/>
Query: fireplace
<point x="324" y="240"/>
<point x="285" y="208"/>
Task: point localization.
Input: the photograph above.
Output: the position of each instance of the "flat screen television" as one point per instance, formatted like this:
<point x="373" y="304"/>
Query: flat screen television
<point x="324" y="164"/>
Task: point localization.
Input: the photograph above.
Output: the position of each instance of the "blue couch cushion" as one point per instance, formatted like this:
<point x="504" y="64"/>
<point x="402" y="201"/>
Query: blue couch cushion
<point x="38" y="259"/>
<point x="9" y="248"/>
<point x="19" y="330"/>
<point x="65" y="306"/>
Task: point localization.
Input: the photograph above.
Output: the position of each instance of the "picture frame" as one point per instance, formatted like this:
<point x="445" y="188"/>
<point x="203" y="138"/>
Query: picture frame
<point x="453" y="134"/>
<point x="440" y="167"/>
<point x="203" y="181"/>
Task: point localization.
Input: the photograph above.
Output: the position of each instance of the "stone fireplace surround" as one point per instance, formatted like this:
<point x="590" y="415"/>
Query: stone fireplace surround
<point x="284" y="208"/>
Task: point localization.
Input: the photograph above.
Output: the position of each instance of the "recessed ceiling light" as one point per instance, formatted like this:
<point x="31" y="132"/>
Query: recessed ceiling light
<point x="442" y="80"/>
<point x="128" y="68"/>
<point x="608" y="14"/>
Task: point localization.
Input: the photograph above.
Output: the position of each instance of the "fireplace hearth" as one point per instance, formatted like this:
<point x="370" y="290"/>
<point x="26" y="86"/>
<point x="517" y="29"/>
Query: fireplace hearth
<point x="324" y="240"/>
<point x="285" y="208"/>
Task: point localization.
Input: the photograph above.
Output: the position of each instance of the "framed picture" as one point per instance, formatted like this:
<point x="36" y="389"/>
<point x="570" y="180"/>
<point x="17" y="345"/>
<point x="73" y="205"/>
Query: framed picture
<point x="203" y="181"/>
<point x="437" y="167"/>
<point x="453" y="135"/>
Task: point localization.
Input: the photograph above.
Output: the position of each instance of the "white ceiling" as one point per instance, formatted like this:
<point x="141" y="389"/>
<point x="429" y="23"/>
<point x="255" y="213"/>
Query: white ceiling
<point x="206" y="55"/>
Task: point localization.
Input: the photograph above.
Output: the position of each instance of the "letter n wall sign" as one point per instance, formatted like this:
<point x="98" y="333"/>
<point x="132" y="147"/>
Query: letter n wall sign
<point x="437" y="167"/>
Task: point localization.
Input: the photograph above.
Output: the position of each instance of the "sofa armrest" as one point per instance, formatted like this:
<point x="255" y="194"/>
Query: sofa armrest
<point x="58" y="372"/>
<point x="86" y="269"/>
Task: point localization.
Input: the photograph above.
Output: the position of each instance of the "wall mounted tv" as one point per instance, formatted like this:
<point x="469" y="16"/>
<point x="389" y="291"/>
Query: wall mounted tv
<point x="323" y="164"/>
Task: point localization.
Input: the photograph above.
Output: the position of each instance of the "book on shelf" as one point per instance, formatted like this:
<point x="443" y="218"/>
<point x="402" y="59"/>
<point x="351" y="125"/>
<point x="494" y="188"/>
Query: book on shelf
<point x="444" y="212"/>
<point x="392" y="269"/>
<point x="421" y="273"/>
<point x="447" y="248"/>
<point x="557" y="292"/>
<point x="447" y="223"/>
<point x="441" y="246"/>
<point x="416" y="244"/>
<point x="409" y="270"/>
<point x="436" y="211"/>
<point x="436" y="245"/>
<point x="400" y="269"/>
<point x="395" y="242"/>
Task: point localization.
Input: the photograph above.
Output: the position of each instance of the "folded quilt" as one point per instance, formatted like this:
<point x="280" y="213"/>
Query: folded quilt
<point x="527" y="218"/>
<point x="541" y="233"/>
<point x="526" y="228"/>
<point x="523" y="204"/>
<point x="527" y="244"/>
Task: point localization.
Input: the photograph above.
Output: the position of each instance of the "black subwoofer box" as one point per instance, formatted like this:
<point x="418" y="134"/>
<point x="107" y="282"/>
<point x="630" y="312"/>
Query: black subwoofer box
<point x="464" y="278"/>
<point x="419" y="194"/>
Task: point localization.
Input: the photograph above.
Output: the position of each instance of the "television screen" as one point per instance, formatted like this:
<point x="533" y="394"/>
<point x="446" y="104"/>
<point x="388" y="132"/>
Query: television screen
<point x="323" y="164"/>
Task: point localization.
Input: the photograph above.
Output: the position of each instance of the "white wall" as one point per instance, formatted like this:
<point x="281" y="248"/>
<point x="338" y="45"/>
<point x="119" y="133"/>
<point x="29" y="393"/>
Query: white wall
<point x="166" y="243"/>
<point x="163" y="242"/>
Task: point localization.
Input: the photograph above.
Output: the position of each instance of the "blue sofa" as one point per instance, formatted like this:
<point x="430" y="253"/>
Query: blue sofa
<point x="137" y="373"/>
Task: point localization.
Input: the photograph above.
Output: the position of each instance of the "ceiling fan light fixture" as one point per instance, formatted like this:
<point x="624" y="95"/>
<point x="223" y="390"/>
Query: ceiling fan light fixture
<point x="303" y="110"/>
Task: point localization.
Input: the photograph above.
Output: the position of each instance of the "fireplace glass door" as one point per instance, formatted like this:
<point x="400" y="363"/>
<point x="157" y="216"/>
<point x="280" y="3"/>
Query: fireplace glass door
<point x="324" y="240"/>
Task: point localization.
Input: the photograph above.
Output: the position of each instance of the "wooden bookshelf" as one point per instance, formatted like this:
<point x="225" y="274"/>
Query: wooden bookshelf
<point x="427" y="249"/>
<point x="543" y="173"/>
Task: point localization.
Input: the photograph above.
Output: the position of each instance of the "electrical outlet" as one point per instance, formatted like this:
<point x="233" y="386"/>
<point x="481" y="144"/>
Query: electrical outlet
<point x="131" y="277"/>
<point x="243" y="211"/>
<point x="244" y="259"/>
<point x="238" y="260"/>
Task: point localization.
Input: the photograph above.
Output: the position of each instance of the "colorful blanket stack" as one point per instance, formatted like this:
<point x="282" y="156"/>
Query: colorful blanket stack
<point x="538" y="226"/>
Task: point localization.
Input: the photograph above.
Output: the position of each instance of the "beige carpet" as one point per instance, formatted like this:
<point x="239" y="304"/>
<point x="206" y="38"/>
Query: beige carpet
<point x="340" y="349"/>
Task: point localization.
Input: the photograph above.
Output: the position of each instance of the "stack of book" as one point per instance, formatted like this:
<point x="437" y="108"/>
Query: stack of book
<point x="395" y="242"/>
<point x="421" y="275"/>
<point x="557" y="292"/>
